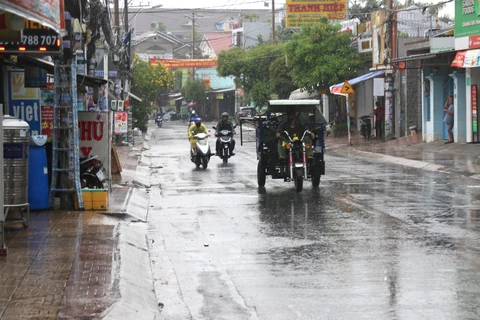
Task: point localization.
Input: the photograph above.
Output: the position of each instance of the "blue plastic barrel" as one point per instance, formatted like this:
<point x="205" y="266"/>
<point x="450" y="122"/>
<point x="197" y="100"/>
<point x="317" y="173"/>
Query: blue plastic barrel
<point x="38" y="192"/>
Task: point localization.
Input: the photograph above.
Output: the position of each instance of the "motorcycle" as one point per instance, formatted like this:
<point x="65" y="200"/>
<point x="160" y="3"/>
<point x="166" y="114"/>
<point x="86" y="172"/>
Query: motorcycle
<point x="297" y="166"/>
<point x="225" y="136"/>
<point x="366" y="126"/>
<point x="203" y="151"/>
<point x="159" y="121"/>
<point x="92" y="173"/>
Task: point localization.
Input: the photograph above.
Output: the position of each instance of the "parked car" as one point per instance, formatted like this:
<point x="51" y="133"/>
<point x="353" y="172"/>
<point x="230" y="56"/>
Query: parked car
<point x="245" y="112"/>
<point x="171" y="115"/>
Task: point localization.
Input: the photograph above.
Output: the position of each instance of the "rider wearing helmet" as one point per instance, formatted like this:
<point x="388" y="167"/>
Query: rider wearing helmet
<point x="197" y="127"/>
<point x="225" y="124"/>
<point x="193" y="116"/>
<point x="294" y="128"/>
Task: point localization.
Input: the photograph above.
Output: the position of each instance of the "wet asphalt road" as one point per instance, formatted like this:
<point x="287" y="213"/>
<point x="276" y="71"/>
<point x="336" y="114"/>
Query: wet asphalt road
<point x="374" y="241"/>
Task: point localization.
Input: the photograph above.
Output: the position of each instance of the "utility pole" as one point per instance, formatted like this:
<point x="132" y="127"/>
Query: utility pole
<point x="389" y="79"/>
<point x="125" y="16"/>
<point x="193" y="18"/>
<point x="116" y="14"/>
<point x="273" y="22"/>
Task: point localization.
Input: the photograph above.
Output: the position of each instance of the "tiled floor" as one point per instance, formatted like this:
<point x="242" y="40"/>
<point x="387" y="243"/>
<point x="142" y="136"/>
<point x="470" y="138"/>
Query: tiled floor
<point x="61" y="266"/>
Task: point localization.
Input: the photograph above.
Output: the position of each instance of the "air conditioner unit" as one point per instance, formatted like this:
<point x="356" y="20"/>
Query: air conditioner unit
<point x="120" y="105"/>
<point x="365" y="45"/>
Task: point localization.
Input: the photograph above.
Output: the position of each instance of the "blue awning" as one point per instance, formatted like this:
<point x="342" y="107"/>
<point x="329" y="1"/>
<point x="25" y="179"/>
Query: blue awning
<point x="335" y="89"/>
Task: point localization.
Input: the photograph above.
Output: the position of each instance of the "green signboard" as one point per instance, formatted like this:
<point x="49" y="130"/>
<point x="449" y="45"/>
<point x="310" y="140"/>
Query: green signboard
<point x="467" y="21"/>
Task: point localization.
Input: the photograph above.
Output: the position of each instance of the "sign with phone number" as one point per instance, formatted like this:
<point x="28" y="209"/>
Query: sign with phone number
<point x="34" y="41"/>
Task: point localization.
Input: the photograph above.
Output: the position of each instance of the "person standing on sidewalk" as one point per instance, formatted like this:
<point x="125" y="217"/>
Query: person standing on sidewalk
<point x="378" y="119"/>
<point x="448" y="119"/>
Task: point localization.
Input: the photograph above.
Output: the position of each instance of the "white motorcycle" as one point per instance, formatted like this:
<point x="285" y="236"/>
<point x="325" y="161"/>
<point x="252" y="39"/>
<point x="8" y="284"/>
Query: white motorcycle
<point x="203" y="151"/>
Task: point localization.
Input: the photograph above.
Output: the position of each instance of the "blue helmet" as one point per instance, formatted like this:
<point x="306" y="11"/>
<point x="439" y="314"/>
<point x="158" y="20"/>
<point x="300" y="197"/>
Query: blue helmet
<point x="198" y="120"/>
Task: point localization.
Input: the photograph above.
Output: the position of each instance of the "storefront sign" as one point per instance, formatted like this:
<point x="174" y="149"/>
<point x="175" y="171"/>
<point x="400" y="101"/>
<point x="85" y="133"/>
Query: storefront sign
<point x="466" y="59"/>
<point x="467" y="23"/>
<point x="35" y="38"/>
<point x="47" y="101"/>
<point x="300" y="13"/>
<point x="24" y="103"/>
<point x="378" y="38"/>
<point x="48" y="13"/>
<point x="474" y="109"/>
<point x="35" y="77"/>
<point x="474" y="41"/>
<point x="120" y="122"/>
<point x="93" y="131"/>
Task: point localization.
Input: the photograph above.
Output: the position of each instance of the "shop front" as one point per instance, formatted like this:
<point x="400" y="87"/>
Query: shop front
<point x="467" y="63"/>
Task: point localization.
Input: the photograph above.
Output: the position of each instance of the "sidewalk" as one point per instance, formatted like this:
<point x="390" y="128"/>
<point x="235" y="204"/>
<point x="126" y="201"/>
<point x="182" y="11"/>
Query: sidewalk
<point x="62" y="265"/>
<point x="457" y="158"/>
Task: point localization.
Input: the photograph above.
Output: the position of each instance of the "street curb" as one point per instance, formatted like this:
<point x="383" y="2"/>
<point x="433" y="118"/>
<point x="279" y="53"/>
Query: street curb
<point x="132" y="267"/>
<point x="135" y="279"/>
<point x="405" y="162"/>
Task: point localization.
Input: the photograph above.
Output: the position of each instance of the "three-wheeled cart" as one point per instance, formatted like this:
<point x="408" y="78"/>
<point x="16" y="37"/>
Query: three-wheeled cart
<point x="297" y="169"/>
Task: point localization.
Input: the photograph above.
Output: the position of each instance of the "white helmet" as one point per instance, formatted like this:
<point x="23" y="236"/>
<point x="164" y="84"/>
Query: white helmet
<point x="193" y="111"/>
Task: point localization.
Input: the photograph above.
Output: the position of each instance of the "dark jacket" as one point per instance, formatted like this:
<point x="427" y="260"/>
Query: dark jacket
<point x="224" y="126"/>
<point x="298" y="129"/>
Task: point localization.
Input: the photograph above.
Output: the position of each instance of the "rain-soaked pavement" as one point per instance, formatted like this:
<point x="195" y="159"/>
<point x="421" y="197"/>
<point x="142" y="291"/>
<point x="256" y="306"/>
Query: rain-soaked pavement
<point x="376" y="240"/>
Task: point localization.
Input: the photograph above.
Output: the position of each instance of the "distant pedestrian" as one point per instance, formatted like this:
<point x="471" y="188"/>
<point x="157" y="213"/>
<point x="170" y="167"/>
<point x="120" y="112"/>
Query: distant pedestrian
<point x="448" y="119"/>
<point x="378" y="119"/>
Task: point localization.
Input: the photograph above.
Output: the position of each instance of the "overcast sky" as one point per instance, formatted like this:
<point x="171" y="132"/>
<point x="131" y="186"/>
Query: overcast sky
<point x="244" y="4"/>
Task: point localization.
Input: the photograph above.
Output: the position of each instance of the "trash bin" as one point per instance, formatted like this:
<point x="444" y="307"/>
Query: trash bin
<point x="413" y="130"/>
<point x="38" y="191"/>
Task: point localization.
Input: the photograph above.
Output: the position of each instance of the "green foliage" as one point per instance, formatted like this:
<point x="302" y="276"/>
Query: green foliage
<point x="161" y="27"/>
<point x="283" y="34"/>
<point x="280" y="80"/>
<point x="257" y="70"/>
<point x="319" y="56"/>
<point x="148" y="83"/>
<point x="195" y="90"/>
<point x="251" y="17"/>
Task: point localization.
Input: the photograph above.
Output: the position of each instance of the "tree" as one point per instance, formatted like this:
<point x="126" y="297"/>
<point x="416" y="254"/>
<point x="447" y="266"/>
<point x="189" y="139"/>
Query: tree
<point x="149" y="82"/>
<point x="161" y="26"/>
<point x="195" y="90"/>
<point x="283" y="34"/>
<point x="319" y="56"/>
<point x="256" y="70"/>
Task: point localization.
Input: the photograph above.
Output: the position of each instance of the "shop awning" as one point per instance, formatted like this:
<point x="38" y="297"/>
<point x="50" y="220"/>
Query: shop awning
<point x="466" y="59"/>
<point x="335" y="89"/>
<point x="413" y="57"/>
<point x="85" y="80"/>
<point x="222" y="90"/>
<point x="134" y="96"/>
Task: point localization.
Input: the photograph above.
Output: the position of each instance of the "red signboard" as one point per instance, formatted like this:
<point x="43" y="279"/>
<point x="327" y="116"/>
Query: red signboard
<point x="459" y="59"/>
<point x="474" y="41"/>
<point x="402" y="65"/>
<point x="474" y="108"/>
<point x="184" y="63"/>
<point x="120" y="122"/>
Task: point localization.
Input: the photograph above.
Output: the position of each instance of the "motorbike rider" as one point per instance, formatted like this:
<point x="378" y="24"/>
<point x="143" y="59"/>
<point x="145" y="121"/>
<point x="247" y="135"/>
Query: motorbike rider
<point x="197" y="127"/>
<point x="193" y="116"/>
<point x="294" y="128"/>
<point x="158" y="116"/>
<point x="224" y="124"/>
